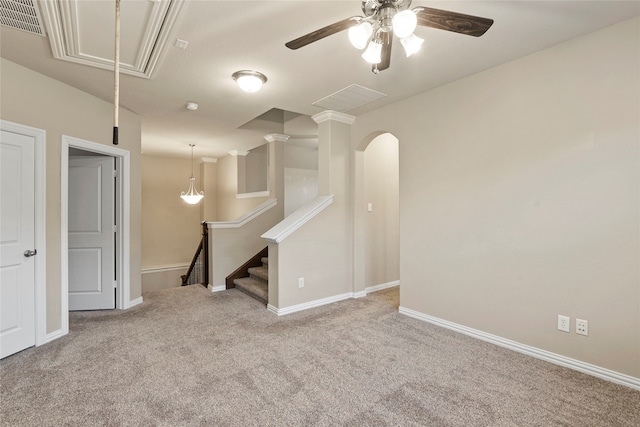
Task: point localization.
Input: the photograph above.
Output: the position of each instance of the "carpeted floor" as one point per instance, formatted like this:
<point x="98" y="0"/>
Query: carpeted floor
<point x="189" y="357"/>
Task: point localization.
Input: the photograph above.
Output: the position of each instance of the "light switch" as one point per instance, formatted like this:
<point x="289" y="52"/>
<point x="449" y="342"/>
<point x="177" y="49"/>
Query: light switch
<point x="369" y="207"/>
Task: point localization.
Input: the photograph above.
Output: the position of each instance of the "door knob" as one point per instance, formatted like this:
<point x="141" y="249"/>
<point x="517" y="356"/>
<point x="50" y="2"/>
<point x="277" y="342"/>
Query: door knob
<point x="29" y="253"/>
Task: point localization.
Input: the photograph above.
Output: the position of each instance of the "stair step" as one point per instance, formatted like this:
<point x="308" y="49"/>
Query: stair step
<point x="257" y="289"/>
<point x="265" y="261"/>
<point x="260" y="273"/>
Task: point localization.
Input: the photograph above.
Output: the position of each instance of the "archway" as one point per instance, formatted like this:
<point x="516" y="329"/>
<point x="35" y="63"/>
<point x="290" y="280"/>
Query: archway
<point x="376" y="213"/>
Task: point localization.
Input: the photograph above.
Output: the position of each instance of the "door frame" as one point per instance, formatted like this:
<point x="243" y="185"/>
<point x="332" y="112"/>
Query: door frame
<point x="123" y="213"/>
<point x="40" y="227"/>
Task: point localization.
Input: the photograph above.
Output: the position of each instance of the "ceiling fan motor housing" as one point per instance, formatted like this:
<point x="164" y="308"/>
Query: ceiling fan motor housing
<point x="371" y="7"/>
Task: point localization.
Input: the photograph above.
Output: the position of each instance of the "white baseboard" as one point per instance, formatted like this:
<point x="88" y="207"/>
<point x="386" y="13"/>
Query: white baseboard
<point x="329" y="300"/>
<point x="596" y="371"/>
<point x="134" y="302"/>
<point x="360" y="294"/>
<point x="381" y="286"/>
<point x="308" y="305"/>
<point x="219" y="288"/>
<point x="54" y="335"/>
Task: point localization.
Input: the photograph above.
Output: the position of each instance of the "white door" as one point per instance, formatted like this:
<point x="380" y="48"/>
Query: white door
<point x="91" y="233"/>
<point x="17" y="239"/>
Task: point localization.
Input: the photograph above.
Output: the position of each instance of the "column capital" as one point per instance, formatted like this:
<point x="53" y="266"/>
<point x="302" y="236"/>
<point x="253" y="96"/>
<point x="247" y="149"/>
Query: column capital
<point x="333" y="115"/>
<point x="276" y="137"/>
<point x="238" y="153"/>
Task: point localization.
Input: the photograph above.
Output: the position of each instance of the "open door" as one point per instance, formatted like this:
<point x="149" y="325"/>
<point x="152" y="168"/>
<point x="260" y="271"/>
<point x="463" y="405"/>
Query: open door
<point x="17" y="240"/>
<point x="92" y="281"/>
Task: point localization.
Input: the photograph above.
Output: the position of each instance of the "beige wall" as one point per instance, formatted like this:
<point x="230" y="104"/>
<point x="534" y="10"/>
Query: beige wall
<point x="519" y="196"/>
<point x="321" y="250"/>
<point x="32" y="99"/>
<point x="228" y="207"/>
<point x="208" y="205"/>
<point x="381" y="238"/>
<point x="171" y="228"/>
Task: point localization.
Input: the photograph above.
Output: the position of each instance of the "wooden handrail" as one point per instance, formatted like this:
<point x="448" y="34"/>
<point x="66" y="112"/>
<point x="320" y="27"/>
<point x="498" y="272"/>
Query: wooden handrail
<point x="203" y="246"/>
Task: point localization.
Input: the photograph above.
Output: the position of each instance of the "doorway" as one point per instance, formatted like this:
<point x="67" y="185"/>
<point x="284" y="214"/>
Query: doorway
<point x="92" y="230"/>
<point x="121" y="159"/>
<point x="376" y="214"/>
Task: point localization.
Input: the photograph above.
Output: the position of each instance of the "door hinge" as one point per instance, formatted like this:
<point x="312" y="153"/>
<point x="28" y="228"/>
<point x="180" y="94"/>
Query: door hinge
<point x="115" y="284"/>
<point x="115" y="228"/>
<point x="115" y="173"/>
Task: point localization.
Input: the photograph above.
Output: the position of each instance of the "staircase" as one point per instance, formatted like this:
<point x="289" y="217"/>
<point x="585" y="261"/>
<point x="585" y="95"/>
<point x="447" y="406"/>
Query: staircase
<point x="257" y="284"/>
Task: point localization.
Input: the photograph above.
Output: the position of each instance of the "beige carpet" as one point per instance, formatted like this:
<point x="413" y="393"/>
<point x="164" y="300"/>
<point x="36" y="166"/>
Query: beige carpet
<point x="189" y="357"/>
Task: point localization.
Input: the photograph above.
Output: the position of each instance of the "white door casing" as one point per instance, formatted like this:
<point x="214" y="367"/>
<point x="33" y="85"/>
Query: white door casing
<point x="17" y="243"/>
<point x="91" y="233"/>
<point x="123" y="243"/>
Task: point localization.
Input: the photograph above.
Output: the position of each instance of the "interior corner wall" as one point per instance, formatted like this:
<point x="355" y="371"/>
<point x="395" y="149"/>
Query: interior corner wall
<point x="171" y="228"/>
<point x="519" y="198"/>
<point x="228" y="207"/>
<point x="32" y="99"/>
<point x="381" y="238"/>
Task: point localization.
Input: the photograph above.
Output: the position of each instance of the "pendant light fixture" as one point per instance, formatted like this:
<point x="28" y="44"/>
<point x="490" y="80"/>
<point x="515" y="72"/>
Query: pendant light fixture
<point x="192" y="196"/>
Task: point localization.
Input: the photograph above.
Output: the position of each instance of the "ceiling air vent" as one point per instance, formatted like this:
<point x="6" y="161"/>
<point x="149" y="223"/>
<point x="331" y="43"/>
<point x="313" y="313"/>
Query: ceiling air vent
<point x="349" y="98"/>
<point x="21" y="15"/>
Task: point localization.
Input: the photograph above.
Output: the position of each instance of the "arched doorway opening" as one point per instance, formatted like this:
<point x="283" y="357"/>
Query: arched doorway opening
<point x="376" y="214"/>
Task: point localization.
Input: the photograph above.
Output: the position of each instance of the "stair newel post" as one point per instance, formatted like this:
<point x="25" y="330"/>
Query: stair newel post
<point x="205" y="247"/>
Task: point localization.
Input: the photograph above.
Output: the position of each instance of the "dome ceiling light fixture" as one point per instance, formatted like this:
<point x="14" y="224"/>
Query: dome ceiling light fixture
<point x="385" y="18"/>
<point x="192" y="196"/>
<point x="248" y="80"/>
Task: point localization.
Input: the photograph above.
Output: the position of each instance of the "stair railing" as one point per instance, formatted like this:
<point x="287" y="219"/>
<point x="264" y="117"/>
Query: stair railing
<point x="198" y="271"/>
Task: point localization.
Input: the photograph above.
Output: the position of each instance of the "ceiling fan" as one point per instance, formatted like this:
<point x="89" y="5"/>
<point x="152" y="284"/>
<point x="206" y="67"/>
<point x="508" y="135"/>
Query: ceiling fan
<point x="384" y="18"/>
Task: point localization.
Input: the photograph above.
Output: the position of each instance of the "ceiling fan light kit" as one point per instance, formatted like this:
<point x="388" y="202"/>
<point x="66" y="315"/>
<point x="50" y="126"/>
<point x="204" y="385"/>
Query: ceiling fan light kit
<point x="384" y="18"/>
<point x="248" y="80"/>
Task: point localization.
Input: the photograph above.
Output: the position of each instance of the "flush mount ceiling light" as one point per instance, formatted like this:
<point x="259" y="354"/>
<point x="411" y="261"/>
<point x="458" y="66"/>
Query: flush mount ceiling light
<point x="385" y="18"/>
<point x="192" y="106"/>
<point x="249" y="81"/>
<point x="192" y="196"/>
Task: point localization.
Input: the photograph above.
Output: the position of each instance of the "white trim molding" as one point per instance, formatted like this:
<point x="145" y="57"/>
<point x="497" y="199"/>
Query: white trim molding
<point x="259" y="210"/>
<point x="276" y="137"/>
<point x="253" y="195"/>
<point x="62" y="21"/>
<point x="163" y="268"/>
<point x="135" y="302"/>
<point x="40" y="236"/>
<point x="308" y="305"/>
<point x="123" y="157"/>
<point x="335" y="116"/>
<point x="297" y="219"/>
<point x="215" y="288"/>
<point x="236" y="153"/>
<point x="596" y="371"/>
<point x="376" y="288"/>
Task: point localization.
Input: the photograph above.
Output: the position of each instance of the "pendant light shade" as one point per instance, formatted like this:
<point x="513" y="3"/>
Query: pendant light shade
<point x="192" y="196"/>
<point x="411" y="44"/>
<point x="373" y="53"/>
<point x="360" y="34"/>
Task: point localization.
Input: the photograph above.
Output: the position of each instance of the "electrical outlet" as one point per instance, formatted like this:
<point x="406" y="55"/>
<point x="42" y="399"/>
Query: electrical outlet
<point x="564" y="323"/>
<point x="582" y="327"/>
<point x="301" y="282"/>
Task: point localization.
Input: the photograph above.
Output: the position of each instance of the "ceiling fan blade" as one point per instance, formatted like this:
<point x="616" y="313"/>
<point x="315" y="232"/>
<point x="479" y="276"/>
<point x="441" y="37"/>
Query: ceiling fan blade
<point x="387" y="39"/>
<point x="452" y="21"/>
<point x="323" y="32"/>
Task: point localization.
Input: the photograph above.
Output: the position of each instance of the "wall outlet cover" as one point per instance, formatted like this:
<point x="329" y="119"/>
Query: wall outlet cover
<point x="564" y="323"/>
